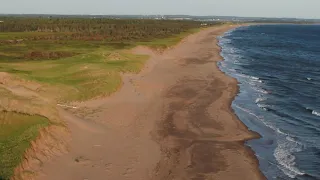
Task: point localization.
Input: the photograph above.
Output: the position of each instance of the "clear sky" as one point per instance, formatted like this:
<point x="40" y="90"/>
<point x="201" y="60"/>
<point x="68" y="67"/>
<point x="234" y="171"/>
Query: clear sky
<point x="252" y="8"/>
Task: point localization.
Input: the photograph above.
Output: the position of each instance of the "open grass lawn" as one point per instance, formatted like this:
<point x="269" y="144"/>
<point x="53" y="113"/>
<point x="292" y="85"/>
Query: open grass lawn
<point x="16" y="132"/>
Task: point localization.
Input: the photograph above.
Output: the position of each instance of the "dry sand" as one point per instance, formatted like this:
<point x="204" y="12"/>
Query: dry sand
<point x="171" y="121"/>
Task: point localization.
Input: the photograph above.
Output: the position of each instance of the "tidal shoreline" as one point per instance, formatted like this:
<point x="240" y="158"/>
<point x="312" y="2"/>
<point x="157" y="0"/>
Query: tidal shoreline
<point x="277" y="101"/>
<point x="255" y="135"/>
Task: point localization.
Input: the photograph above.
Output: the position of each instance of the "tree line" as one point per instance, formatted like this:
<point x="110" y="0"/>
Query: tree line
<point x="96" y="28"/>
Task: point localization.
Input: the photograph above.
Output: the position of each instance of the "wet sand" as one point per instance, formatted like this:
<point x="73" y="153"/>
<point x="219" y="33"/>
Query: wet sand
<point x="171" y="121"/>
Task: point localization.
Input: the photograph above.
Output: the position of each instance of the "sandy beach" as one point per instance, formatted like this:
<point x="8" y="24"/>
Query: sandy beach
<point x="171" y="121"/>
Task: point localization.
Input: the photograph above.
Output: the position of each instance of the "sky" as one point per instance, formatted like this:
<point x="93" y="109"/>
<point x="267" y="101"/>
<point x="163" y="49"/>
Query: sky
<point x="247" y="8"/>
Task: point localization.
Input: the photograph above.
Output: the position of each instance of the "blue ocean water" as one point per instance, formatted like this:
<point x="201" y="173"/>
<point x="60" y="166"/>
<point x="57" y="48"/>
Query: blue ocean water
<point x="278" y="69"/>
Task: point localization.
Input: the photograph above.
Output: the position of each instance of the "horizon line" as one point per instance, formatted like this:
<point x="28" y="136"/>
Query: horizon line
<point x="62" y="14"/>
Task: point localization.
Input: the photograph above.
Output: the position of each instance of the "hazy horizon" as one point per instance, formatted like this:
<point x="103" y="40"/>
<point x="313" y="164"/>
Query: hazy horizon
<point x="307" y="9"/>
<point x="151" y="15"/>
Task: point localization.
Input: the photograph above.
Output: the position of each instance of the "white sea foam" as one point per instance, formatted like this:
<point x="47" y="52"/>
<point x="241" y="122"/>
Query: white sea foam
<point x="257" y="117"/>
<point x="240" y="75"/>
<point x="232" y="70"/>
<point x="289" y="138"/>
<point x="229" y="32"/>
<point x="286" y="145"/>
<point x="254" y="78"/>
<point x="284" y="150"/>
<point x="223" y="40"/>
<point x="232" y="50"/>
<point x="222" y="64"/>
<point x="315" y="113"/>
<point x="284" y="156"/>
<point x="263" y="106"/>
<point x="251" y="78"/>
<point x="280" y="132"/>
<point x="248" y="111"/>
<point x="260" y="90"/>
<point x="260" y="99"/>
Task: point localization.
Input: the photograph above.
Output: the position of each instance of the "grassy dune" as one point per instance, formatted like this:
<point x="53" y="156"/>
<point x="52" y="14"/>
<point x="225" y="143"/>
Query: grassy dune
<point x="80" y="77"/>
<point x="16" y="132"/>
<point x="92" y="70"/>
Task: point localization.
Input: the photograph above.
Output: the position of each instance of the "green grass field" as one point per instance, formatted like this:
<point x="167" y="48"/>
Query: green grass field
<point x="170" y="41"/>
<point x="80" y="77"/>
<point x="91" y="69"/>
<point x="16" y="132"/>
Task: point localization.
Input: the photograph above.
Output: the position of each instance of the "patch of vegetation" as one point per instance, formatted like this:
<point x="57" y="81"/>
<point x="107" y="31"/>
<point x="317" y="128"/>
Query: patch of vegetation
<point x="23" y="38"/>
<point x="81" y="77"/>
<point x="16" y="132"/>
<point x="36" y="55"/>
<point x="170" y="41"/>
<point x="92" y="28"/>
<point x="74" y="53"/>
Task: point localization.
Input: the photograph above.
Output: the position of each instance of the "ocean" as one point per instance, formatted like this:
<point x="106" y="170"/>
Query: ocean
<point x="278" y="70"/>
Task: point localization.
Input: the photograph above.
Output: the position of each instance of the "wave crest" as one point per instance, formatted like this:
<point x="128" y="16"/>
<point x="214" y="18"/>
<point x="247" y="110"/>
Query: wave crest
<point x="315" y="113"/>
<point x="260" y="99"/>
<point x="284" y="155"/>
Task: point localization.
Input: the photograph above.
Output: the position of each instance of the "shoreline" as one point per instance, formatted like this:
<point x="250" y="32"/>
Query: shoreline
<point x="280" y="146"/>
<point x="177" y="124"/>
<point x="256" y="135"/>
<point x="236" y="89"/>
<point x="202" y="134"/>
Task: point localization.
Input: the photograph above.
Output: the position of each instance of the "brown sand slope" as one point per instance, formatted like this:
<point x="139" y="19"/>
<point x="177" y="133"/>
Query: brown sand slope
<point x="171" y="121"/>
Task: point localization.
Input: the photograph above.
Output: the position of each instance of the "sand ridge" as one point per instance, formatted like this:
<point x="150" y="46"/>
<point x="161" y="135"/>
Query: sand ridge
<point x="171" y="121"/>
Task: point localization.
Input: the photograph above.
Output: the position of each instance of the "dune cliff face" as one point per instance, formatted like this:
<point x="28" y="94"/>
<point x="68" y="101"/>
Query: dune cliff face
<point x="52" y="142"/>
<point x="26" y="98"/>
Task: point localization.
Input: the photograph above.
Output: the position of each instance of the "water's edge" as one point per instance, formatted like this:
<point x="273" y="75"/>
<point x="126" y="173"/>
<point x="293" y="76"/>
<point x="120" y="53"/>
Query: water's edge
<point x="258" y="135"/>
<point x="275" y="67"/>
<point x="252" y="144"/>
